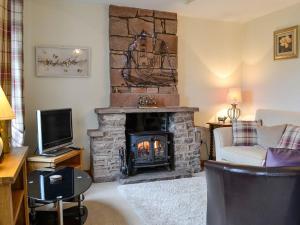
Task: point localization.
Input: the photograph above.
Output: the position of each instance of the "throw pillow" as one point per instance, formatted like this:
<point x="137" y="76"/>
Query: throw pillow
<point x="290" y="138"/>
<point x="244" y="132"/>
<point x="280" y="157"/>
<point x="269" y="136"/>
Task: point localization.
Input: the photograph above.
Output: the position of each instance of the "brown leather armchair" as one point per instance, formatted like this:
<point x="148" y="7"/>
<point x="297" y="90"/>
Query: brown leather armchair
<point x="246" y="195"/>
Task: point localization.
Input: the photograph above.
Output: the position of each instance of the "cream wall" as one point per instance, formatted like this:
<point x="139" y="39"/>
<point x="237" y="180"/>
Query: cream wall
<point x="268" y="83"/>
<point x="58" y="22"/>
<point x="209" y="62"/>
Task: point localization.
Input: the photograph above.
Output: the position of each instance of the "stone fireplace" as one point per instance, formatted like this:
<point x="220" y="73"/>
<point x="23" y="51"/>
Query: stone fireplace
<point x="143" y="69"/>
<point x="110" y="138"/>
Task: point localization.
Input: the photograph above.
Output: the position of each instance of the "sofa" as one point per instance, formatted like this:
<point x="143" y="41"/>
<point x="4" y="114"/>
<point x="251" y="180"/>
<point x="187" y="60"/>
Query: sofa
<point x="247" y="195"/>
<point x="250" y="155"/>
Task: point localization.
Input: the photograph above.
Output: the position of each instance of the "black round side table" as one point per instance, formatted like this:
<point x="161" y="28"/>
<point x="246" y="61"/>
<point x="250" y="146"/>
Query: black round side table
<point x="63" y="184"/>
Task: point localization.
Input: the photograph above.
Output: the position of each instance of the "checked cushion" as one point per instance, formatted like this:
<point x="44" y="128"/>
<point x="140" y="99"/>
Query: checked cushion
<point x="290" y="138"/>
<point x="244" y="132"/>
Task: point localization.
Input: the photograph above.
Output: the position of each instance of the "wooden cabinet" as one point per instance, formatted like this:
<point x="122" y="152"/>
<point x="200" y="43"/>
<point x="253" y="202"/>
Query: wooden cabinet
<point x="13" y="188"/>
<point x="72" y="159"/>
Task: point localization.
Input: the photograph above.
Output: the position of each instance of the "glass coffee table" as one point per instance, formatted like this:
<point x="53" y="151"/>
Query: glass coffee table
<point x="64" y="184"/>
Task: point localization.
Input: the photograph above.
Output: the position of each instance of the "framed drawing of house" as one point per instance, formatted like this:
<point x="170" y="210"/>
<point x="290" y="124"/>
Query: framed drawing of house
<point x="286" y="43"/>
<point x="53" y="61"/>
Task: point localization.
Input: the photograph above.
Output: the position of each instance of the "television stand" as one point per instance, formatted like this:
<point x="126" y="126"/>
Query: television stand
<point x="72" y="158"/>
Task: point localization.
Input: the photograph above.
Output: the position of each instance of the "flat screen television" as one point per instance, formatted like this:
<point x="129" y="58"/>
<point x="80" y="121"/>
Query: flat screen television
<point x="54" y="129"/>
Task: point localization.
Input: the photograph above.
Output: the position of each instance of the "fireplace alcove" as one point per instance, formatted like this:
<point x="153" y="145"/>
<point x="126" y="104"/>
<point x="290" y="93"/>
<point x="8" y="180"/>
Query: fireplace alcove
<point x="115" y="122"/>
<point x="148" y="143"/>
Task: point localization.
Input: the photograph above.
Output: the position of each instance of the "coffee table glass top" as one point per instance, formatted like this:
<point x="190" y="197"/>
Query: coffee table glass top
<point x="73" y="183"/>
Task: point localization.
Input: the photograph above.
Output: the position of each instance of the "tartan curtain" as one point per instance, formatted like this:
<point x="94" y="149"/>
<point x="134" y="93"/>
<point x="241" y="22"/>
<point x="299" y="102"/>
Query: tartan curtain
<point x="11" y="61"/>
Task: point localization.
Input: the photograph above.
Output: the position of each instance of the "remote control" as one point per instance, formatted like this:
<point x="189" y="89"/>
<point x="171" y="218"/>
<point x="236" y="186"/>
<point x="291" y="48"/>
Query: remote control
<point x="74" y="148"/>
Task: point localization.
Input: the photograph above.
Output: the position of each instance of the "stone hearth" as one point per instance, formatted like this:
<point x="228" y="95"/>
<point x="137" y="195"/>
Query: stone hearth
<point x="110" y="137"/>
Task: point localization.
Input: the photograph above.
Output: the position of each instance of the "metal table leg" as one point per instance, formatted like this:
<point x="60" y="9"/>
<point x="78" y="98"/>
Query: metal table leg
<point x="80" y="199"/>
<point x="60" y="211"/>
<point x="80" y="207"/>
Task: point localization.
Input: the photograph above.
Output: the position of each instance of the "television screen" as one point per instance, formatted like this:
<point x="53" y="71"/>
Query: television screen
<point x="54" y="129"/>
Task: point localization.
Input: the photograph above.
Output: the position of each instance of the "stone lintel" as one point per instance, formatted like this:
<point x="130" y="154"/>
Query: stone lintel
<point x="121" y="110"/>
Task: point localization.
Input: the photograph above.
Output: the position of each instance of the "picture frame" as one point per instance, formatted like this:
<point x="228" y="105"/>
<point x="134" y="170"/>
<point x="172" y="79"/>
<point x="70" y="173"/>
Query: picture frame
<point x="62" y="61"/>
<point x="286" y="43"/>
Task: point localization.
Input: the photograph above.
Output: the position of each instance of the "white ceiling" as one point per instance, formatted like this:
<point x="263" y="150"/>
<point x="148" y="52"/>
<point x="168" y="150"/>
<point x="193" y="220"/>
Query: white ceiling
<point x="224" y="10"/>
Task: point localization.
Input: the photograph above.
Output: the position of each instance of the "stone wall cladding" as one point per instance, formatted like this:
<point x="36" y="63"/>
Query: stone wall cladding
<point x="125" y="24"/>
<point x="105" y="162"/>
<point x="186" y="141"/>
<point x="110" y="137"/>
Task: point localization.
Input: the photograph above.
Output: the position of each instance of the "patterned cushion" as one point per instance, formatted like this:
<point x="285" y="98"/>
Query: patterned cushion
<point x="290" y="138"/>
<point x="244" y="133"/>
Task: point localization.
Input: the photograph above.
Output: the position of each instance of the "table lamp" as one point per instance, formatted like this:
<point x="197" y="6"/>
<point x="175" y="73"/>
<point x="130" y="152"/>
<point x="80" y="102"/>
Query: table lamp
<point x="234" y="97"/>
<point x="6" y="113"/>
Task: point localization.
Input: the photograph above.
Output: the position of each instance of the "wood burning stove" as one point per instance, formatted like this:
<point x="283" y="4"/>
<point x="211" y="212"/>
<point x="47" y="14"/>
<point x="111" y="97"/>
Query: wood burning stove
<point x="148" y="144"/>
<point x="148" y="149"/>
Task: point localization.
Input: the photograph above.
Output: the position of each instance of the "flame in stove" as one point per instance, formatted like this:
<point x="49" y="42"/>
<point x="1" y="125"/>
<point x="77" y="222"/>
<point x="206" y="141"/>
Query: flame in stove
<point x="145" y="145"/>
<point x="157" y="146"/>
<point x="143" y="149"/>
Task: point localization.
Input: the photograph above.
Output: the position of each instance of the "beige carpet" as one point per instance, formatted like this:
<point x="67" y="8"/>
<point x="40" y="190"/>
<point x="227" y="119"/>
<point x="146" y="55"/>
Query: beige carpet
<point x="106" y="206"/>
<point x="173" y="202"/>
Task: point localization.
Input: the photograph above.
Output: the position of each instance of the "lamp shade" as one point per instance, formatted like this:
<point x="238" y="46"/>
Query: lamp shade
<point x="6" y="112"/>
<point x="234" y="95"/>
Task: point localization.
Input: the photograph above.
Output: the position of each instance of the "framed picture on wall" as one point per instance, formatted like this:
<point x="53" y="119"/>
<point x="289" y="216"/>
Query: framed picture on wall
<point x="61" y="61"/>
<point x="286" y="43"/>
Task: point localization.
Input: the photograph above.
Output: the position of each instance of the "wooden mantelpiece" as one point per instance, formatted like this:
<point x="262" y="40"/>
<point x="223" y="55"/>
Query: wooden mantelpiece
<point x="121" y="110"/>
<point x="13" y="188"/>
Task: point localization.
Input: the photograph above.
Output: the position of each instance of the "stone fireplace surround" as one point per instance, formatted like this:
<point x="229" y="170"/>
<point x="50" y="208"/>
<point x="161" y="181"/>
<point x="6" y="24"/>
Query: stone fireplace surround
<point x="143" y="62"/>
<point x="109" y="138"/>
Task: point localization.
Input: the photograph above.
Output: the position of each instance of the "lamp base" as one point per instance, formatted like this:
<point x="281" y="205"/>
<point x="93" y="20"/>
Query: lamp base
<point x="4" y="136"/>
<point x="234" y="112"/>
<point x="1" y="150"/>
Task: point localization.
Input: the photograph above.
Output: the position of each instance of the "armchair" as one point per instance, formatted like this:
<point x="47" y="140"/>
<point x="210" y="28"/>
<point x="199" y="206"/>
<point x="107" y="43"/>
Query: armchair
<point x="247" y="195"/>
<point x="250" y="155"/>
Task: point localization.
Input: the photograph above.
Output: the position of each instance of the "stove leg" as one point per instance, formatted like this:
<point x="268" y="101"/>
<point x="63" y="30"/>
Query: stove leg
<point x="60" y="211"/>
